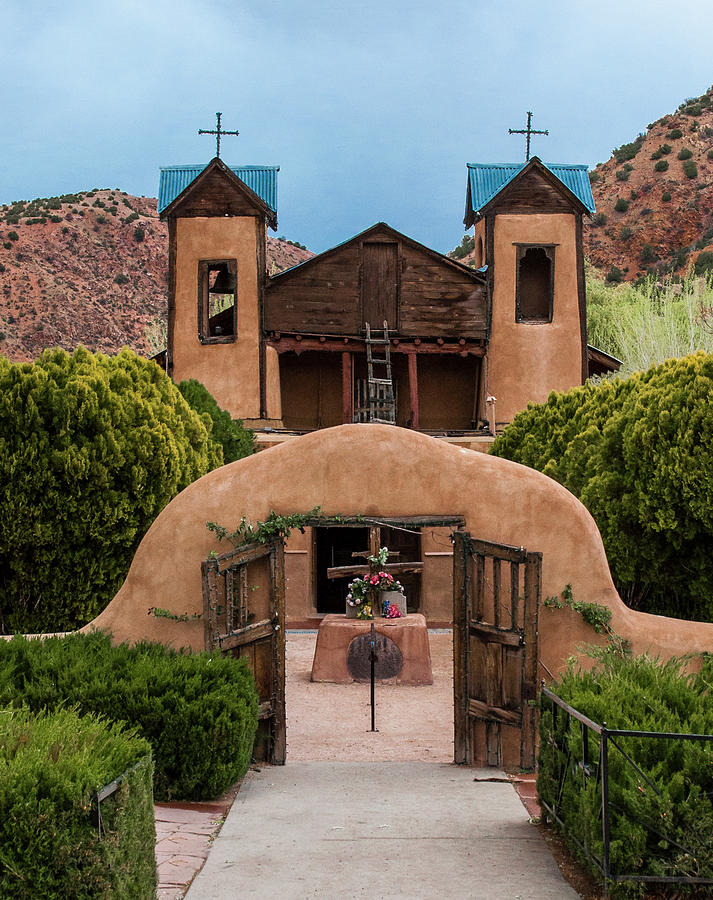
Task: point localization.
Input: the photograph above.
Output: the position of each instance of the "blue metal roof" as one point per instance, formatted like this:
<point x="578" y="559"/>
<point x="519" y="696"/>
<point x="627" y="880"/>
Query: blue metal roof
<point x="486" y="181"/>
<point x="260" y="179"/>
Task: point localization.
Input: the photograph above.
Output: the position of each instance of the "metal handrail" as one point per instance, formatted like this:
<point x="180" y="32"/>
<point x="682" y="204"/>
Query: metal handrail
<point x="606" y="736"/>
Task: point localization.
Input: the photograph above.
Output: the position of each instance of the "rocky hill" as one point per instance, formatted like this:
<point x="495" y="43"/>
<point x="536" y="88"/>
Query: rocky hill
<point x="654" y="198"/>
<point x="90" y="268"/>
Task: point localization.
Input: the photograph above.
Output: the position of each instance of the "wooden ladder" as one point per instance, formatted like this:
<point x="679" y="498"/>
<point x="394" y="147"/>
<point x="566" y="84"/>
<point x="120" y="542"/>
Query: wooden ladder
<point x="382" y="401"/>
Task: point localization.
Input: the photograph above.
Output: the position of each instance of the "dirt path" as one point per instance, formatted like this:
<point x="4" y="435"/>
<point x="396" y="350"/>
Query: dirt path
<point x="332" y="721"/>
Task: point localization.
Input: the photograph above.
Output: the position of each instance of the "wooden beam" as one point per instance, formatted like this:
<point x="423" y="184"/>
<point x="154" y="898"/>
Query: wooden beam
<point x="404" y="568"/>
<point x="479" y="710"/>
<point x="286" y="343"/>
<point x="494" y="635"/>
<point x="413" y="390"/>
<point x="347" y="390"/>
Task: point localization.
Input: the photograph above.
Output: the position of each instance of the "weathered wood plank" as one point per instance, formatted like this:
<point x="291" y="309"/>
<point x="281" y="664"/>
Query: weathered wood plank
<point x="499" y="551"/>
<point x="249" y="634"/>
<point x="533" y="590"/>
<point x="404" y="568"/>
<point x="495" y="635"/>
<point x="479" y="710"/>
<point x="461" y="615"/>
<point x="277" y="591"/>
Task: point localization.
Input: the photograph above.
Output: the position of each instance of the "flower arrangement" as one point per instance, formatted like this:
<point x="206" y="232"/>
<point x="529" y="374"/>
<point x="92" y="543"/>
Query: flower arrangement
<point x="362" y="592"/>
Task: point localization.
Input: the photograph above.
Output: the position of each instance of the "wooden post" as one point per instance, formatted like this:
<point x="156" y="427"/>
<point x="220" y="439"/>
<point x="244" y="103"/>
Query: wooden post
<point x="347" y="392"/>
<point x="277" y="585"/>
<point x="413" y="390"/>
<point x="460" y="644"/>
<point x="533" y="589"/>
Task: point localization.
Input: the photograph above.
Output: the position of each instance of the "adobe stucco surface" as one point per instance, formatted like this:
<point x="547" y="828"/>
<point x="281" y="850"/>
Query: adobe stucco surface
<point x="526" y="361"/>
<point x="380" y="470"/>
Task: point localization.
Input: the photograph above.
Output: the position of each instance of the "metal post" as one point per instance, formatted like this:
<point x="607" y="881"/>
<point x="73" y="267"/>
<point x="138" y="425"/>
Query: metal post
<point x="372" y="657"/>
<point x="605" y="806"/>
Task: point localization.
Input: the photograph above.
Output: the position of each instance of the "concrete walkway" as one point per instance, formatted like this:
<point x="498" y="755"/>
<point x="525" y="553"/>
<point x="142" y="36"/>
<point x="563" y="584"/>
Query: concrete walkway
<point x="378" y="830"/>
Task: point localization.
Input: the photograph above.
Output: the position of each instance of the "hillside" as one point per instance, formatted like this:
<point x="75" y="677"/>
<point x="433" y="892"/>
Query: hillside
<point x="654" y="198"/>
<point x="90" y="268"/>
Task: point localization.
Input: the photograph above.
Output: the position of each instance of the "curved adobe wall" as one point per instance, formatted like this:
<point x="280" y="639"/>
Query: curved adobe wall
<point x="380" y="470"/>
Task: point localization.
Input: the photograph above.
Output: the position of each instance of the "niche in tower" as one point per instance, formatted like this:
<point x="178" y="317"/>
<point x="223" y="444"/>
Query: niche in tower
<point x="535" y="283"/>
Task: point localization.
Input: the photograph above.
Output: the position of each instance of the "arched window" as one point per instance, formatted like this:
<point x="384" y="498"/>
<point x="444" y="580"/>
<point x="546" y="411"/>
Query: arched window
<point x="535" y="284"/>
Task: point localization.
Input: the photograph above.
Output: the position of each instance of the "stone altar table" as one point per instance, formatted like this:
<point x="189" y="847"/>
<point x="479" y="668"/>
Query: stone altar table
<point x="409" y="634"/>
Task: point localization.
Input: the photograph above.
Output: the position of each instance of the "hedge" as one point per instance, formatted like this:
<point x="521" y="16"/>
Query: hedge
<point x="198" y="711"/>
<point x="91" y="449"/>
<point x="637" y="694"/>
<point x="235" y="440"/>
<point x="638" y="453"/>
<point x="51" y="765"/>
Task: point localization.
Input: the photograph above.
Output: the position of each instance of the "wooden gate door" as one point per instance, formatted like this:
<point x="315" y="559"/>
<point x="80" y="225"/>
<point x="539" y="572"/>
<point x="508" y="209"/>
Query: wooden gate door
<point x="496" y="591"/>
<point x="244" y="615"/>
<point x="379" y="284"/>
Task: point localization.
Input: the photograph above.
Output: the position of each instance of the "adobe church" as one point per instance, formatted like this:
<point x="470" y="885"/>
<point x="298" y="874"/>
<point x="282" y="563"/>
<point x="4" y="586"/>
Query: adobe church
<point x="379" y="328"/>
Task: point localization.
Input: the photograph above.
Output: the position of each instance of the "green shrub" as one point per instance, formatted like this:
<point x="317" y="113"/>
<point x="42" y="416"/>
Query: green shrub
<point x="2" y="268"/>
<point x="674" y="134"/>
<point x="615" y="275"/>
<point x="704" y="263"/>
<point x="594" y="177"/>
<point x="666" y="197"/>
<point x="198" y="711"/>
<point x="121" y="278"/>
<point x="599" y="219"/>
<point x="628" y="151"/>
<point x="235" y="440"/>
<point x="101" y="220"/>
<point x="685" y="153"/>
<point x="647" y="254"/>
<point x="92" y="449"/>
<point x="710" y="154"/>
<point x="622" y="175"/>
<point x="7" y="245"/>
<point x="657" y="154"/>
<point x="139" y="233"/>
<point x="690" y="169"/>
<point x="51" y="765"/>
<point x="661" y="165"/>
<point x="13" y="235"/>
<point x="625" y="233"/>
<point x="621" y="205"/>
<point x="638" y="452"/>
<point x="676" y="803"/>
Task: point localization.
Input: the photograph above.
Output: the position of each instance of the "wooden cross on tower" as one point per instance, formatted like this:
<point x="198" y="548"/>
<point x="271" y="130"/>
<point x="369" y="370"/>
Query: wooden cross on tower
<point x="217" y="132"/>
<point x="528" y="131"/>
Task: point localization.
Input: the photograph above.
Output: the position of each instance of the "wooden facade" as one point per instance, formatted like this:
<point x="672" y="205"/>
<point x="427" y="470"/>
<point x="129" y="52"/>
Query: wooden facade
<point x="380" y="274"/>
<point x="437" y="314"/>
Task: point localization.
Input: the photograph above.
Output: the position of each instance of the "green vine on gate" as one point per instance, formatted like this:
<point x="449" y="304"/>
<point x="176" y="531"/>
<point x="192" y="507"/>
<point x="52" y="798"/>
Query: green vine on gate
<point x="596" y="615"/>
<point x="272" y="527"/>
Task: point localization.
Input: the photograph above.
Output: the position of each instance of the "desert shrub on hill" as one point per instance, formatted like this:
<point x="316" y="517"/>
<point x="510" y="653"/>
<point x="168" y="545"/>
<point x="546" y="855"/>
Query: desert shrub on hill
<point x="91" y="449"/>
<point x="638" y="452"/>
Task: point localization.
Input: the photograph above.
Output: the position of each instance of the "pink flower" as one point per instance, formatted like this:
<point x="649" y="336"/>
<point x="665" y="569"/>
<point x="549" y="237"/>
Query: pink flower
<point x="374" y="579"/>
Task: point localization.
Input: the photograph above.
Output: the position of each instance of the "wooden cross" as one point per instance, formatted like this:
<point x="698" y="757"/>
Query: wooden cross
<point x="218" y="133"/>
<point x="402" y="568"/>
<point x="528" y="131"/>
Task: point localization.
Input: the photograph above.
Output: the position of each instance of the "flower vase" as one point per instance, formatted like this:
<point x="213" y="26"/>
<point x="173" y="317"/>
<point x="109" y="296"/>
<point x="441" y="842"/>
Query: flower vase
<point x="351" y="611"/>
<point x="397" y="598"/>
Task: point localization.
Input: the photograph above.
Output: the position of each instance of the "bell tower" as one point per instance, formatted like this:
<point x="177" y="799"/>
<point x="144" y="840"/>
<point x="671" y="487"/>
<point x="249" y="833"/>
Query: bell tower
<point x="528" y="242"/>
<point x="217" y="218"/>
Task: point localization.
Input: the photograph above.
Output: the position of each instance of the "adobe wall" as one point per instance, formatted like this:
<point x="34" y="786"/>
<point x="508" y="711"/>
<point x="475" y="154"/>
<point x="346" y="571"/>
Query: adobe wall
<point x="528" y="360"/>
<point x="380" y="470"/>
<point x="228" y="371"/>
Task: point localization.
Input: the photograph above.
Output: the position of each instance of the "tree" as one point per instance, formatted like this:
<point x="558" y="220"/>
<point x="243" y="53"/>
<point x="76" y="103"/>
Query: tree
<point x="91" y="449"/>
<point x="235" y="440"/>
<point x="638" y="452"/>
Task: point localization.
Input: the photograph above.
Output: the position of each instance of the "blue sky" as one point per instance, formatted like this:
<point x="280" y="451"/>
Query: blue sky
<point x="371" y="109"/>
